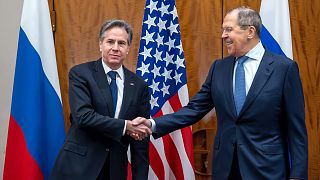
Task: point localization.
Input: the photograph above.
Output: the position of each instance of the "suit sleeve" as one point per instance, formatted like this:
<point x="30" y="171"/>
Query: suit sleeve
<point x="82" y="109"/>
<point x="297" y="133"/>
<point x="140" y="149"/>
<point x="198" y="107"/>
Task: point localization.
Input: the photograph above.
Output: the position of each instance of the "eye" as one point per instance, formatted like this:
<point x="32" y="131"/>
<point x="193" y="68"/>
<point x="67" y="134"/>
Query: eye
<point x="226" y="30"/>
<point x="122" y="43"/>
<point x="110" y="41"/>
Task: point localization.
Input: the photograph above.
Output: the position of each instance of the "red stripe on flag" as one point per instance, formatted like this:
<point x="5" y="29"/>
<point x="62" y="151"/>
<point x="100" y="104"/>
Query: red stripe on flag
<point x="129" y="176"/>
<point x="19" y="164"/>
<point x="188" y="143"/>
<point x="175" y="102"/>
<point x="156" y="162"/>
<point x="173" y="157"/>
<point x="186" y="132"/>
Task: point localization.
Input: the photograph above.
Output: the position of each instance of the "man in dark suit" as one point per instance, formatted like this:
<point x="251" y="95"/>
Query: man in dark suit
<point x="258" y="99"/>
<point x="101" y="109"/>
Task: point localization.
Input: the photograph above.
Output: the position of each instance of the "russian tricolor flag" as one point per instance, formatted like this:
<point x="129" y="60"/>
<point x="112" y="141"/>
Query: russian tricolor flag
<point x="276" y="31"/>
<point x="36" y="126"/>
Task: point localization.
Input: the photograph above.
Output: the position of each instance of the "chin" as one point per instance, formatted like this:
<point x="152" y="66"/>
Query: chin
<point x="231" y="53"/>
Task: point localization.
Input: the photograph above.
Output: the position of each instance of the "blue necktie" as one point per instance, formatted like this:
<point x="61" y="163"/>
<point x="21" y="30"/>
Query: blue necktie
<point x="240" y="84"/>
<point x="114" y="88"/>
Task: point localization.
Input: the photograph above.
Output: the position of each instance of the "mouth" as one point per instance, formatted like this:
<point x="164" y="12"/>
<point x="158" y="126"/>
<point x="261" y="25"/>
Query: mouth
<point x="228" y="43"/>
<point x="114" y="56"/>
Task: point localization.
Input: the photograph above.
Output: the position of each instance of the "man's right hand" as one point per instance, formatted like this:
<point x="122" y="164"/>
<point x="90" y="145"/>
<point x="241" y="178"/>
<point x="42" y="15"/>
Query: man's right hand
<point x="139" y="128"/>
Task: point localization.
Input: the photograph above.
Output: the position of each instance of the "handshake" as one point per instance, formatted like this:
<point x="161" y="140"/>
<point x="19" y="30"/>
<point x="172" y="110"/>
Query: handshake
<point x="139" y="128"/>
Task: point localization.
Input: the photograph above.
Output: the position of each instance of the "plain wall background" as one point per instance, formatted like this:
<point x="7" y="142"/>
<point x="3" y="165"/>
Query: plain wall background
<point x="10" y="15"/>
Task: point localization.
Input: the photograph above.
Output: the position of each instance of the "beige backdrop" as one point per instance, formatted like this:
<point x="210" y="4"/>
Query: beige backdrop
<point x="10" y="14"/>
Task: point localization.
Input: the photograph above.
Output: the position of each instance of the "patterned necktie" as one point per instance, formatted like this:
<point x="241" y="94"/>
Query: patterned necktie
<point x="114" y="88"/>
<point x="240" y="84"/>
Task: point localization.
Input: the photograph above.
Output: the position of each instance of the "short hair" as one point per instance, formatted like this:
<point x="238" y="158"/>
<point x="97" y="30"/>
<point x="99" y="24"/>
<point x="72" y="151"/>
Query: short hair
<point x="116" y="23"/>
<point x="248" y="17"/>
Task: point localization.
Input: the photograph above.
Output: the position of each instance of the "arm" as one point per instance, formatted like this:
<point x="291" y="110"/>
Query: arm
<point x="297" y="133"/>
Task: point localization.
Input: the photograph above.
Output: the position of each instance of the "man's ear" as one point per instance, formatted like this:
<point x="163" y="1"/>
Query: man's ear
<point x="100" y="43"/>
<point x="252" y="32"/>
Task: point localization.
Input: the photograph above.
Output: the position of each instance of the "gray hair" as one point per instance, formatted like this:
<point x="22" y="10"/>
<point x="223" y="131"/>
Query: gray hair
<point x="248" y="17"/>
<point x="116" y="23"/>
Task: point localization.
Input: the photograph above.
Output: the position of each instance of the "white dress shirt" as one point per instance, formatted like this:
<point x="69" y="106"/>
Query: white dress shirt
<point x="251" y="65"/>
<point x="120" y="86"/>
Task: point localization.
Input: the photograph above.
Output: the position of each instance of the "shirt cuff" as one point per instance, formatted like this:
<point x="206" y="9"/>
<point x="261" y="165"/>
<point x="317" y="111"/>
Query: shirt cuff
<point x="124" y="128"/>
<point x="153" y="125"/>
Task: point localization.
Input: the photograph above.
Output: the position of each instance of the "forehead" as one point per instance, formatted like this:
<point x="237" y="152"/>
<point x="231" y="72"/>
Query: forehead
<point x="116" y="32"/>
<point x="231" y="19"/>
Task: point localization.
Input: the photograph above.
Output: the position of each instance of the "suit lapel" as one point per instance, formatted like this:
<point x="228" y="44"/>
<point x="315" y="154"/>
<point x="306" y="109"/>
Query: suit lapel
<point x="261" y="78"/>
<point x="229" y="78"/>
<point x="101" y="78"/>
<point x="129" y="87"/>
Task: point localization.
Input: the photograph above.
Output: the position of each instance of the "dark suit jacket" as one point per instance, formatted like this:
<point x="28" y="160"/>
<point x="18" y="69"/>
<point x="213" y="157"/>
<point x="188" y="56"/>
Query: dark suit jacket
<point x="94" y="135"/>
<point x="270" y="124"/>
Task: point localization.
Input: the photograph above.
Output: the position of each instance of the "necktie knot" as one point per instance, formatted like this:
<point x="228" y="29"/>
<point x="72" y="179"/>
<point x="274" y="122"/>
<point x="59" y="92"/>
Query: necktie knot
<point x="242" y="59"/>
<point x="112" y="74"/>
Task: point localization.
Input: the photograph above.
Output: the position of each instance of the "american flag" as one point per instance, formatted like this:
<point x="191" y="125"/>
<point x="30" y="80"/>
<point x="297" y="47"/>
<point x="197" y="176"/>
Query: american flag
<point x="161" y="64"/>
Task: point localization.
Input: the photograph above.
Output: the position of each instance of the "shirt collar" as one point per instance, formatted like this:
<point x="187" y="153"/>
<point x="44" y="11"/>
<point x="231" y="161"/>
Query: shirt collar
<point x="106" y="69"/>
<point x="257" y="52"/>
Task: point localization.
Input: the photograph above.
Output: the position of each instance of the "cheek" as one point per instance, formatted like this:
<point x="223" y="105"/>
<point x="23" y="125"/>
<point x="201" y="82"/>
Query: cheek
<point x="104" y="49"/>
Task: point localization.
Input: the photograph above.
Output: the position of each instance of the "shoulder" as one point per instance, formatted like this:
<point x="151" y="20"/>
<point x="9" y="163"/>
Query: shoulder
<point x="133" y="77"/>
<point x="226" y="62"/>
<point x="86" y="66"/>
<point x="281" y="60"/>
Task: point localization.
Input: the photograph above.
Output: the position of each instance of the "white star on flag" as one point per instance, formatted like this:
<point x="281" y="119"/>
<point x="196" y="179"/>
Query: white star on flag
<point x="148" y="37"/>
<point x="146" y="53"/>
<point x="170" y="43"/>
<point x="162" y="24"/>
<point x="159" y="40"/>
<point x="165" y="89"/>
<point x="150" y="21"/>
<point x="173" y="28"/>
<point x="152" y="6"/>
<point x="164" y="9"/>
<point x="144" y="68"/>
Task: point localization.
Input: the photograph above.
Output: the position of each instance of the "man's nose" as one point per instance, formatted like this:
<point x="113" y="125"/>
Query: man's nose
<point x="115" y="46"/>
<point x="223" y="34"/>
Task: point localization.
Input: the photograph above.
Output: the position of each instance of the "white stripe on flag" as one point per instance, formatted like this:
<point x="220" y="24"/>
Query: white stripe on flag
<point x="276" y="18"/>
<point x="183" y="93"/>
<point x="39" y="32"/>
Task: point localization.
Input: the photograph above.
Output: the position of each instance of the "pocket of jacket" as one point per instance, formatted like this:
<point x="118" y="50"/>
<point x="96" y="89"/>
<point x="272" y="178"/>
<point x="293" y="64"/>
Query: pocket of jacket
<point x="75" y="148"/>
<point x="272" y="149"/>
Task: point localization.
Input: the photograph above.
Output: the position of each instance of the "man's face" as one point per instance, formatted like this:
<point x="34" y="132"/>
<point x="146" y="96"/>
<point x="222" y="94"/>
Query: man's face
<point x="235" y="38"/>
<point x="114" y="47"/>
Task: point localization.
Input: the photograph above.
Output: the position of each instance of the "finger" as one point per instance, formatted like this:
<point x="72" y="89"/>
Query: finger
<point x="137" y="121"/>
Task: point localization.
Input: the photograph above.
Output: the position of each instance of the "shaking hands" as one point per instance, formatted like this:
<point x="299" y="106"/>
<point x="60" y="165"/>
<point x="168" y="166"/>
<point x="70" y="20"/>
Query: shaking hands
<point x="139" y="128"/>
